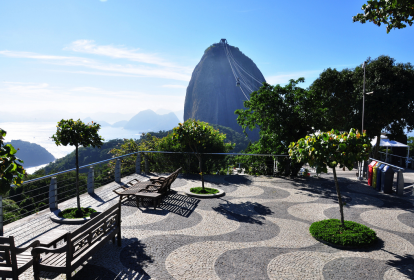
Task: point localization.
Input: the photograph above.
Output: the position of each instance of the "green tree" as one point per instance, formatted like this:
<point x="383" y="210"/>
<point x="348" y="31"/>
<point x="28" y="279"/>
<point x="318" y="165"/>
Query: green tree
<point x="283" y="114"/>
<point x="329" y="149"/>
<point x="199" y="137"/>
<point x="11" y="170"/>
<point x="410" y="143"/>
<point x="77" y="133"/>
<point x="393" y="13"/>
<point x="390" y="108"/>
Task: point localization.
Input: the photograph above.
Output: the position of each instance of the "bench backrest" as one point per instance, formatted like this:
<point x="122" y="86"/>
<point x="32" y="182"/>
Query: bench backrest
<point x="91" y="232"/>
<point x="8" y="252"/>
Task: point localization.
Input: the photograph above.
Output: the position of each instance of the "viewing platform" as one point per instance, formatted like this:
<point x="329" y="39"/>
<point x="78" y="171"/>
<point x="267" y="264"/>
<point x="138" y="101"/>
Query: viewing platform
<point x="258" y="230"/>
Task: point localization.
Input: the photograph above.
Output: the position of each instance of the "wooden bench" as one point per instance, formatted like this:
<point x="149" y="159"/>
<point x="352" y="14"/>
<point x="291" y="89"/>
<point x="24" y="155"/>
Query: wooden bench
<point x="80" y="244"/>
<point x="14" y="260"/>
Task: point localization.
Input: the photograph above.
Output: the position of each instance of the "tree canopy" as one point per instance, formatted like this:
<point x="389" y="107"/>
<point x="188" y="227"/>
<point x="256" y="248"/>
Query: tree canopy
<point x="283" y="114"/>
<point x="393" y="13"/>
<point x="199" y="137"/>
<point x="390" y="108"/>
<point x="11" y="170"/>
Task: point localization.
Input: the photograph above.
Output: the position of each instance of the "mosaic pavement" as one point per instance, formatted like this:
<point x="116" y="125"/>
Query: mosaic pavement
<point x="258" y="230"/>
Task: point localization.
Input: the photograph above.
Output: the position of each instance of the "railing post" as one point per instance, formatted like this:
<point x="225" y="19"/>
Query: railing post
<point x="1" y="215"/>
<point x="118" y="171"/>
<point x="53" y="201"/>
<point x="146" y="164"/>
<point x="91" y="180"/>
<point x="138" y="164"/>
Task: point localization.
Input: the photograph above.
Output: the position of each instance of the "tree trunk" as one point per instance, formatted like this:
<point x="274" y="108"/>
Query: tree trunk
<point x="341" y="206"/>
<point x="201" y="171"/>
<point x="377" y="146"/>
<point x="77" y="179"/>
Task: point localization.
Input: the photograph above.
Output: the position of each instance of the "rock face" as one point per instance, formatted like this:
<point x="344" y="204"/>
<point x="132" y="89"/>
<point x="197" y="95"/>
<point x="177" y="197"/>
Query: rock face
<point x="212" y="95"/>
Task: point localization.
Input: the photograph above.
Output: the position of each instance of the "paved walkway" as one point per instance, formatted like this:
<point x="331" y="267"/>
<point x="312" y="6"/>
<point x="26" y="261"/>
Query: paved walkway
<point x="259" y="230"/>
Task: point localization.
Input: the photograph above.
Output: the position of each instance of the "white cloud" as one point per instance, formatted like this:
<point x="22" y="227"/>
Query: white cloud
<point x="174" y="86"/>
<point x="134" y="70"/>
<point x="84" y="99"/>
<point x="285" y="77"/>
<point x="88" y="46"/>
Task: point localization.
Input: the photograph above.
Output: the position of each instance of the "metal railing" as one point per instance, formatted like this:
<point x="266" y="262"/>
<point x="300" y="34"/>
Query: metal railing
<point x="48" y="191"/>
<point x="403" y="160"/>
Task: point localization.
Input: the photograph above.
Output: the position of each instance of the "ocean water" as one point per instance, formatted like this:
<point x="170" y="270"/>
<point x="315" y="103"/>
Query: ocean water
<point x="40" y="133"/>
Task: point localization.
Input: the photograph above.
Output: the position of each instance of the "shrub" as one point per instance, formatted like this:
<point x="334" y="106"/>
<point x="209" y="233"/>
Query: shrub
<point x="351" y="235"/>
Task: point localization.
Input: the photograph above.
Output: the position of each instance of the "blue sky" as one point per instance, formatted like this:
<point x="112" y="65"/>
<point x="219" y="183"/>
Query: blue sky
<point x="128" y="56"/>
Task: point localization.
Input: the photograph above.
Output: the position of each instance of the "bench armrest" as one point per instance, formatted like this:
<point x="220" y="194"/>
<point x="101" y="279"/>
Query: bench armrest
<point x="38" y="250"/>
<point x="34" y="244"/>
<point x="115" y="191"/>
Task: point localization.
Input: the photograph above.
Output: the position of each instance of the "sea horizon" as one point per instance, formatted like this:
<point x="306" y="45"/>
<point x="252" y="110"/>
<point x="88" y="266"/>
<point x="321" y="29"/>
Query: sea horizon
<point x="40" y="133"/>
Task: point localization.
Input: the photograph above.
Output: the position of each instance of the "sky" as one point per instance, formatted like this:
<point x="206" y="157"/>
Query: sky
<point x="127" y="56"/>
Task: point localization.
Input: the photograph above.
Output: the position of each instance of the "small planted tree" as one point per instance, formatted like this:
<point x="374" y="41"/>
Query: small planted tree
<point x="77" y="133"/>
<point x="200" y="137"/>
<point x="330" y="149"/>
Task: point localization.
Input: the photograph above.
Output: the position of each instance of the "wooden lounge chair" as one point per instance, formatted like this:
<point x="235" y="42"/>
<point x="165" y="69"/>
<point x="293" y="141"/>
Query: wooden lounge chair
<point x="164" y="177"/>
<point x="14" y="260"/>
<point x="153" y="191"/>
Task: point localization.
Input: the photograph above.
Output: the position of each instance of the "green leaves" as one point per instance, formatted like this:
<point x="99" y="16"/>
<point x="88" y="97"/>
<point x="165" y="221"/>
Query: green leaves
<point x="11" y="171"/>
<point x="77" y="133"/>
<point x="328" y="149"/>
<point x="392" y="13"/>
<point x="199" y="137"/>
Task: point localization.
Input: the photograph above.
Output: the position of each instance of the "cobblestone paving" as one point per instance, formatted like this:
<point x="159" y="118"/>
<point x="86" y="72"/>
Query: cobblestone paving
<point x="258" y="230"/>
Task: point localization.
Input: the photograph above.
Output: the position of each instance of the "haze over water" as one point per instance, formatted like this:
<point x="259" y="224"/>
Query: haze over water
<point x="40" y="133"/>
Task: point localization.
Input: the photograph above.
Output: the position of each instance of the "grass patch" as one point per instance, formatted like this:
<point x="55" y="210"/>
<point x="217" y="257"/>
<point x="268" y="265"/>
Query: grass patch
<point x="199" y="190"/>
<point x="352" y="235"/>
<point x="70" y="213"/>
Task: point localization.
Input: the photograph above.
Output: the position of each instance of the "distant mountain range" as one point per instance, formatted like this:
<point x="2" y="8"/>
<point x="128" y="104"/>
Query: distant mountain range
<point x="144" y="121"/>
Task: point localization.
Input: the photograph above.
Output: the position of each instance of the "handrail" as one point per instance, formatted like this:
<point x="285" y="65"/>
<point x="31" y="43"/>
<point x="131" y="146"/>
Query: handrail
<point x="391" y="154"/>
<point x="233" y="154"/>
<point x="72" y="169"/>
<point x="161" y="152"/>
<point x="399" y="168"/>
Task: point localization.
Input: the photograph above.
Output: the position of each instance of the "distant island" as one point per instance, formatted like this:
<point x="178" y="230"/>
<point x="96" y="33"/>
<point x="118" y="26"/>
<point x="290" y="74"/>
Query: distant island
<point x="32" y="154"/>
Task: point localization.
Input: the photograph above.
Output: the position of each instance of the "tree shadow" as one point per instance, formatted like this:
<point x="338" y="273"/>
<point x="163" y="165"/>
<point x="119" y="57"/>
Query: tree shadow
<point x="135" y="257"/>
<point x="404" y="264"/>
<point x="172" y="203"/>
<point x="179" y="204"/>
<point x="245" y="212"/>
<point x="238" y="179"/>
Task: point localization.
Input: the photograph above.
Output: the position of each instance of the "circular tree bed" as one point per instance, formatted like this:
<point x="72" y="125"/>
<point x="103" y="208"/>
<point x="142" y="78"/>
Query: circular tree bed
<point x="352" y="236"/>
<point x="200" y="190"/>
<point x="71" y="213"/>
<point x="206" y="193"/>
